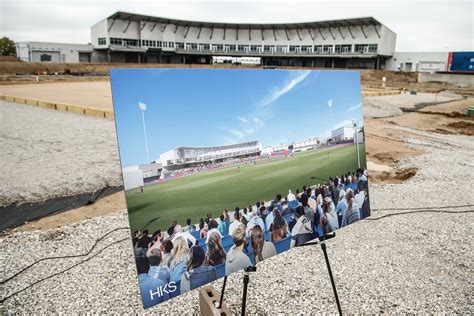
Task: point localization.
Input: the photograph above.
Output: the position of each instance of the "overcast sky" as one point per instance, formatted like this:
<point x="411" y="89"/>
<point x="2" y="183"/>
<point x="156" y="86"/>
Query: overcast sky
<point x="420" y="25"/>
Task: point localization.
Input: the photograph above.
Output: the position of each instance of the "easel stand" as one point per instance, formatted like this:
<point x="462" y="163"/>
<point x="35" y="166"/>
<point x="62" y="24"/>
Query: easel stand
<point x="208" y="306"/>
<point x="322" y="240"/>
<point x="247" y="272"/>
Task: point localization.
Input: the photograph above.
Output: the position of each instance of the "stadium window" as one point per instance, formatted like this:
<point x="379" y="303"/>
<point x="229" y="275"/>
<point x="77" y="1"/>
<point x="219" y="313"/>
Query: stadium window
<point x="327" y="48"/>
<point x="192" y="46"/>
<point x="179" y="45"/>
<point x="268" y="48"/>
<point x="204" y="46"/>
<point x="306" y="48"/>
<point x="255" y="48"/>
<point x="101" y="41"/>
<point x="318" y="48"/>
<point x="242" y="48"/>
<point x="294" y="48"/>
<point x="153" y="43"/>
<point x="361" y="48"/>
<point x="171" y="44"/>
<point x="218" y="47"/>
<point x="158" y="44"/>
<point x="346" y="48"/>
<point x="373" y="48"/>
<point x="280" y="48"/>
<point x="230" y="48"/>
<point x="115" y="41"/>
<point x="337" y="48"/>
<point x="131" y="42"/>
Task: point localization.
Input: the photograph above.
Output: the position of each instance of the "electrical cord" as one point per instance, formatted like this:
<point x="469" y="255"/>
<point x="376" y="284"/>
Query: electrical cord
<point x="417" y="211"/>
<point x="421" y="208"/>
<point x="74" y="256"/>
<point x="62" y="271"/>
<point x="410" y="211"/>
<point x="63" y="257"/>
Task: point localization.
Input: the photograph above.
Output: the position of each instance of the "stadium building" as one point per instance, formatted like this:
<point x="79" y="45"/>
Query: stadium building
<point x="190" y="157"/>
<point x="347" y="43"/>
<point x="292" y="147"/>
<point x="346" y="135"/>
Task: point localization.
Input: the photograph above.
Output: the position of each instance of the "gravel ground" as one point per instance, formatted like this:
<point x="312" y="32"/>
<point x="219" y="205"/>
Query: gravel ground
<point x="46" y="143"/>
<point x="389" y="263"/>
<point x="48" y="138"/>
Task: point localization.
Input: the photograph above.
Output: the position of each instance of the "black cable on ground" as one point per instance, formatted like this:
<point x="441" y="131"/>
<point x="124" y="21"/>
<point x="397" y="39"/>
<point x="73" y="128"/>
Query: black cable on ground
<point x="74" y="256"/>
<point x="418" y="211"/>
<point x="421" y="208"/>
<point x="63" y="271"/>
<point x="63" y="257"/>
<point x="414" y="210"/>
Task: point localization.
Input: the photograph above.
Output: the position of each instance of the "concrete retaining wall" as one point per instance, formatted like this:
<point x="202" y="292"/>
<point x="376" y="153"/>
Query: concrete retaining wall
<point x="460" y="80"/>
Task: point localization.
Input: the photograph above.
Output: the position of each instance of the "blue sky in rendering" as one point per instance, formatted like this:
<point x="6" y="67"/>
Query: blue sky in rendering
<point x="210" y="107"/>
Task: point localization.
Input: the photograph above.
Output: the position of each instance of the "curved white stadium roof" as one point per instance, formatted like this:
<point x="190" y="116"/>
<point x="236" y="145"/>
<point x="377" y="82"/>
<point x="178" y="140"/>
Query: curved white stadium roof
<point x="223" y="147"/>
<point x="290" y="25"/>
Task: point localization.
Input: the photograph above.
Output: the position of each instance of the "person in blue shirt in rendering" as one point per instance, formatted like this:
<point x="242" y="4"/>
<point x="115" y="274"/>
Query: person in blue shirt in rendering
<point x="223" y="226"/>
<point x="153" y="290"/>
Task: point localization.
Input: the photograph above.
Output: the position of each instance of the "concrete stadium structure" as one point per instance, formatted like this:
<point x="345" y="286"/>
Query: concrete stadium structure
<point x="185" y="156"/>
<point x="347" y="43"/>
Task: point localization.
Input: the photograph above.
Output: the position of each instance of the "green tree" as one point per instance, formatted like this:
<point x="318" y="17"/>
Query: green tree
<point x="7" y="47"/>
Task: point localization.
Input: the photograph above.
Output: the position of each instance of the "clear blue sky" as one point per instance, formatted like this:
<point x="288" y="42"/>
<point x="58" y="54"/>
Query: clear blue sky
<point x="207" y="107"/>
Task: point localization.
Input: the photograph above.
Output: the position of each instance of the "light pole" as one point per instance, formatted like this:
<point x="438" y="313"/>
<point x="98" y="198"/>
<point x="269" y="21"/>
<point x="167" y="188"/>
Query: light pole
<point x="142" y="107"/>
<point x="354" y="124"/>
<point x="330" y="122"/>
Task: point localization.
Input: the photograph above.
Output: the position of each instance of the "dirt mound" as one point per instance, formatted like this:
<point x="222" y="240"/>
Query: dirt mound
<point x="387" y="157"/>
<point x="463" y="127"/>
<point x="393" y="77"/>
<point x="397" y="176"/>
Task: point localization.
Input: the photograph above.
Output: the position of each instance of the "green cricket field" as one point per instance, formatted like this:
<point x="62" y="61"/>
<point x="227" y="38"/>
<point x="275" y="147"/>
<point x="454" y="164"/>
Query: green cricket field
<point x="211" y="191"/>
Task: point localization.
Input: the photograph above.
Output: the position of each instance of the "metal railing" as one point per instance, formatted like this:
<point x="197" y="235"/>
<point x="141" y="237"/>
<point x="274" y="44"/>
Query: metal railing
<point x="264" y="53"/>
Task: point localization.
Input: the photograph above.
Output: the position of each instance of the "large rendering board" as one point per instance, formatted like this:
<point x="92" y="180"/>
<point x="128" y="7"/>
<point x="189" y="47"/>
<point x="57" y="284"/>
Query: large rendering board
<point x="225" y="168"/>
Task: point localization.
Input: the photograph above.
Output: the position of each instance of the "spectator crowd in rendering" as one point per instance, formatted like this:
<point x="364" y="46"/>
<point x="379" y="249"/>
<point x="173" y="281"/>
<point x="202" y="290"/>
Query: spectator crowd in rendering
<point x="187" y="255"/>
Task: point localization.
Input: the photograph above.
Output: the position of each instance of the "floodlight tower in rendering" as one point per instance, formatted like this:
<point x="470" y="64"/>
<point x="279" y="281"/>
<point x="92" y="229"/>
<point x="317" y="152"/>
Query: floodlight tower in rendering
<point x="142" y="107"/>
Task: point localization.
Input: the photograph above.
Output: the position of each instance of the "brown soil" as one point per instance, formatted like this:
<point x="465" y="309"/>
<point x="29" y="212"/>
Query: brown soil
<point x="106" y="205"/>
<point x="384" y="146"/>
<point x="397" y="176"/>
<point x="22" y="72"/>
<point x="95" y="94"/>
<point x="463" y="127"/>
<point x="387" y="146"/>
<point x="448" y="118"/>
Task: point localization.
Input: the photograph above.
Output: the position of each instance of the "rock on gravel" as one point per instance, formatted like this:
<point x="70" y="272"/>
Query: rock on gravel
<point x="400" y="260"/>
<point x="47" y="154"/>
